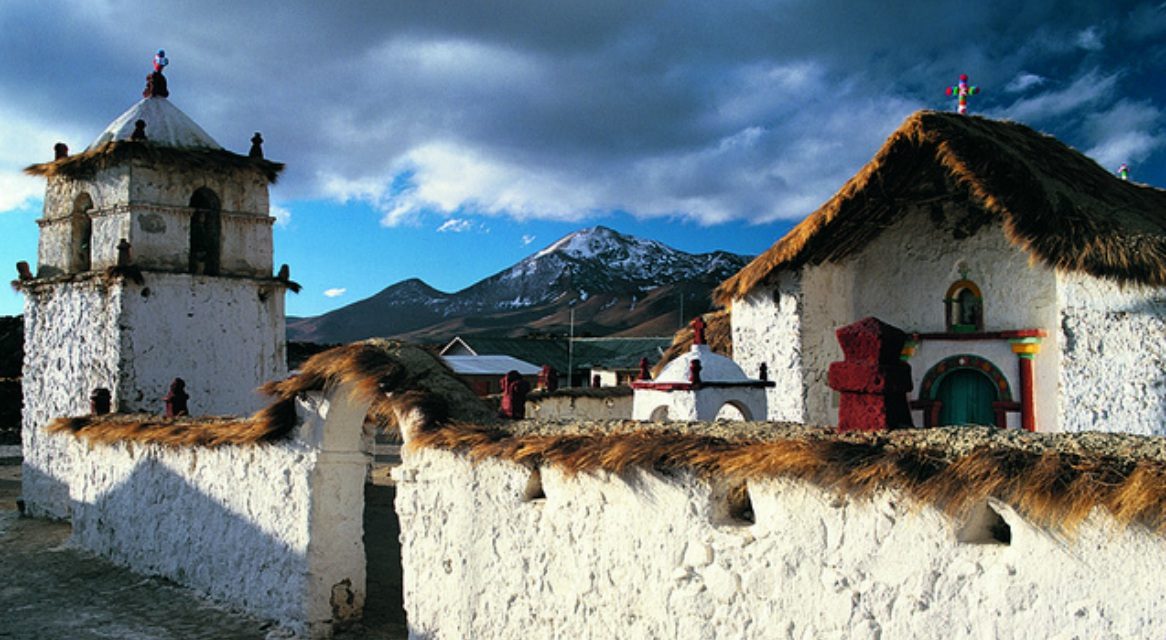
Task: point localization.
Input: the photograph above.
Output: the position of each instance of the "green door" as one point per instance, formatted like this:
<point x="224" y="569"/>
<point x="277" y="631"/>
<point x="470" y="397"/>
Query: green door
<point x="967" y="396"/>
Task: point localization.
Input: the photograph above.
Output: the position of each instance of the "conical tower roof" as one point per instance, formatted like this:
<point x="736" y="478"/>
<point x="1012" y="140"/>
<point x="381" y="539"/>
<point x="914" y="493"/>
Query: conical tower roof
<point x="166" y="125"/>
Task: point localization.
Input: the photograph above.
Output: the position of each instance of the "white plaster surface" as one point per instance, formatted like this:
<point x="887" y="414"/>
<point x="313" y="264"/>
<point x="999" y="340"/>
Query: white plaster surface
<point x="215" y="333"/>
<point x="767" y="327"/>
<point x="653" y="556"/>
<point x="275" y="529"/>
<point x="900" y="277"/>
<point x="1112" y="343"/>
<point x="580" y="408"/>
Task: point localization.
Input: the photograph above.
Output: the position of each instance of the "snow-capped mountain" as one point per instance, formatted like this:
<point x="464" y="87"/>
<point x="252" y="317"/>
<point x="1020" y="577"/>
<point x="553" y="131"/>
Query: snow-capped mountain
<point x="615" y="282"/>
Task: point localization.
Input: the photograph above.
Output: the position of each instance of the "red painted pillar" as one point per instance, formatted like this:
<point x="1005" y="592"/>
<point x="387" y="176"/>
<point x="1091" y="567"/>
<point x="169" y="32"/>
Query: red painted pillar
<point x="872" y="380"/>
<point x="1026" y="350"/>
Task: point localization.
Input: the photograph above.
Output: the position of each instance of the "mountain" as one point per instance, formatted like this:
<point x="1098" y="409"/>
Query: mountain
<point x="617" y="285"/>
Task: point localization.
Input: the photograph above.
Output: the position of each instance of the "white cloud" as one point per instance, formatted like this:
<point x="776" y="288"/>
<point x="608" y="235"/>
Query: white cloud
<point x="1085" y="90"/>
<point x="527" y="239"/>
<point x="455" y="225"/>
<point x="335" y="292"/>
<point x="1024" y="81"/>
<point x="1090" y="39"/>
<point x="1126" y="132"/>
<point x="281" y="214"/>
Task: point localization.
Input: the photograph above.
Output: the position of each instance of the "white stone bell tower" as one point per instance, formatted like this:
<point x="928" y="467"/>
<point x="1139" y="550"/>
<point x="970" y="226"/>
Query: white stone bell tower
<point x="154" y="263"/>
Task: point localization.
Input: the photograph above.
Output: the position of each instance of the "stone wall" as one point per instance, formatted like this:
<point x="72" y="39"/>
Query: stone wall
<point x="579" y="405"/>
<point x="1113" y="356"/>
<point x="492" y="550"/>
<point x="767" y="327"/>
<point x="273" y="529"/>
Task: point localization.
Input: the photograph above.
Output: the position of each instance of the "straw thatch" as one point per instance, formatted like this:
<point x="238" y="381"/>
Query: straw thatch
<point x="1054" y="482"/>
<point x="1053" y="202"/>
<point x="393" y="377"/>
<point x="718" y="334"/>
<point x="87" y="163"/>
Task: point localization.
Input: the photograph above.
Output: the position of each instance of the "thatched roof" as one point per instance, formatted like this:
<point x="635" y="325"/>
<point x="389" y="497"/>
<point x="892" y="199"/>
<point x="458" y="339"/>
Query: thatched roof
<point x="1058" y="205"/>
<point x="393" y="376"/>
<point x="88" y="162"/>
<point x="718" y="334"/>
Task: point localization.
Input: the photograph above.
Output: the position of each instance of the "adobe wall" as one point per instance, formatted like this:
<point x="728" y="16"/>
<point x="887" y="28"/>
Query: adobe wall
<point x="648" y="555"/>
<point x="551" y="406"/>
<point x="767" y="325"/>
<point x="274" y="529"/>
<point x="1113" y="356"/>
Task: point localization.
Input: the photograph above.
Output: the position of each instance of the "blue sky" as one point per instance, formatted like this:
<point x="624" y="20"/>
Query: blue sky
<point x="447" y="140"/>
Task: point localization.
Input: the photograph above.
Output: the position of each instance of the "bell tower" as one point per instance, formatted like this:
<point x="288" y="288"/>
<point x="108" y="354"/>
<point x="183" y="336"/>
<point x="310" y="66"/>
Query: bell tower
<point x="154" y="263"/>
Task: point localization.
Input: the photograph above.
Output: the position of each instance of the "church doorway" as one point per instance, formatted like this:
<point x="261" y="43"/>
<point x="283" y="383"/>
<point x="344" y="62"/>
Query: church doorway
<point x="966" y="397"/>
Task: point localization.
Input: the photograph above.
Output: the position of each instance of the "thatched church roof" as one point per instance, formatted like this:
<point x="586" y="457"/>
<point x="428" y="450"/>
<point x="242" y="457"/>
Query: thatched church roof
<point x="1058" y="205"/>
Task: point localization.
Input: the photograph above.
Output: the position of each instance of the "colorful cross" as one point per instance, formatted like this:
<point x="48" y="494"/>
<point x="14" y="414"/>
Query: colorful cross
<point x="962" y="91"/>
<point x="1123" y="171"/>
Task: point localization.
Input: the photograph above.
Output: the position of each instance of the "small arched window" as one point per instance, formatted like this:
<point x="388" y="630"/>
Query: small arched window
<point x="964" y="307"/>
<point x="205" y="232"/>
<point x="82" y="234"/>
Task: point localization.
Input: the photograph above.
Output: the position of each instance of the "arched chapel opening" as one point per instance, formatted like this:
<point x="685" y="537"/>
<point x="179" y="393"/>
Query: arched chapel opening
<point x="82" y="234"/>
<point x="205" y="232"/>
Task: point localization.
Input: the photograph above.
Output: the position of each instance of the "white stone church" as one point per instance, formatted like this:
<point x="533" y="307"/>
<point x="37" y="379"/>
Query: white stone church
<point x="154" y="263"/>
<point x="1033" y="283"/>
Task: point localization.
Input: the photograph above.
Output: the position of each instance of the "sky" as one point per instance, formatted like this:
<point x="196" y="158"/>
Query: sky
<point x="448" y="140"/>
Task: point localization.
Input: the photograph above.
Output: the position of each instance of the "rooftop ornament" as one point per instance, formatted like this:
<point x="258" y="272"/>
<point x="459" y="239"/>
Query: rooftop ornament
<point x="962" y="91"/>
<point x="1123" y="171"/>
<point x="156" y="82"/>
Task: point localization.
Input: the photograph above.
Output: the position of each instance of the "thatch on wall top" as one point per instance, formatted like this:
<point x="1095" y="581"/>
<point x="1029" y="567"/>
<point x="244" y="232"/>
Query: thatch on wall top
<point x="1061" y="207"/>
<point x="1054" y="480"/>
<point x="89" y="162"/>
<point x="395" y="378"/>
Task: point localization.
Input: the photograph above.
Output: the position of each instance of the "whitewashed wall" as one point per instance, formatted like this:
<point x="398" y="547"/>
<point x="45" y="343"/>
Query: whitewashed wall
<point x="272" y="529"/>
<point x="1112" y="342"/>
<point x="71" y="347"/>
<point x="223" y="336"/>
<point x="560" y="407"/>
<point x="767" y="327"/>
<point x="900" y="277"/>
<point x="215" y="333"/>
<point x="649" y="556"/>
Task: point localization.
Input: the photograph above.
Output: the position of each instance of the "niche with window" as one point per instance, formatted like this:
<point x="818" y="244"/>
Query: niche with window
<point x="82" y="234"/>
<point x="205" y="232"/>
<point x="964" y="307"/>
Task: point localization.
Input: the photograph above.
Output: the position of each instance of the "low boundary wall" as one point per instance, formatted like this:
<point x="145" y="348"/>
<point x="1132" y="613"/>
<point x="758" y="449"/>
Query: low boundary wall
<point x="493" y="549"/>
<point x="273" y="528"/>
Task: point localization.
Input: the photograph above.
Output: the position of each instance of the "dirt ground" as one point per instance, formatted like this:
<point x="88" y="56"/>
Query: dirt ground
<point x="49" y="589"/>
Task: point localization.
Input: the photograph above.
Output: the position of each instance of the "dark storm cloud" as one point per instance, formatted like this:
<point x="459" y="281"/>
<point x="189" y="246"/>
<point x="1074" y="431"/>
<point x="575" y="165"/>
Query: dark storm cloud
<point x="754" y="110"/>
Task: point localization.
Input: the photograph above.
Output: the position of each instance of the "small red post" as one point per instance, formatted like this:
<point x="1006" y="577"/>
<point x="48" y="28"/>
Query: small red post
<point x="694" y="367"/>
<point x="176" y="399"/>
<point x="100" y="401"/>
<point x="871" y="380"/>
<point x="60" y="151"/>
<point x="698" y="331"/>
<point x="645" y="373"/>
<point x="514" y="390"/>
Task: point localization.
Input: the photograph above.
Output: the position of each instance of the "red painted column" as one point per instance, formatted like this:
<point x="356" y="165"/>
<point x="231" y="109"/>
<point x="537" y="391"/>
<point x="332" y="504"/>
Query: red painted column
<point x="1026" y="350"/>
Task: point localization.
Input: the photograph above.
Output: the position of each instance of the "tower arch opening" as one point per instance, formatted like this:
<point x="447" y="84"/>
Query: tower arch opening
<point x="205" y="232"/>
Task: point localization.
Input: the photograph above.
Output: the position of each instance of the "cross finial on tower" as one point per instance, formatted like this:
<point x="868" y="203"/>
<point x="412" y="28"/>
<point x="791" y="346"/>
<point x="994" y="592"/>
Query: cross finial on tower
<point x="156" y="82"/>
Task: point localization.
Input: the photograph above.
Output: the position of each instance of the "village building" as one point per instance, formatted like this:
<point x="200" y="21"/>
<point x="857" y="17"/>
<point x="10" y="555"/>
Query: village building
<point x="612" y="361"/>
<point x="154" y="263"/>
<point x="1032" y="283"/>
